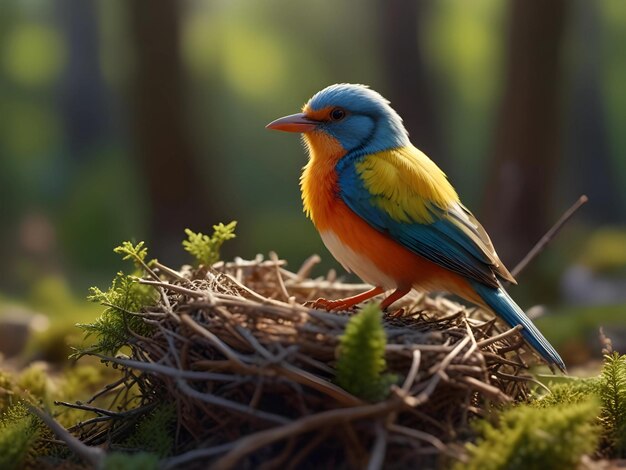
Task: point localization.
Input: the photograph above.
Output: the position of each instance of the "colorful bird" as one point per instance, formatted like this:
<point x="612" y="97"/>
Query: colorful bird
<point x="389" y="214"/>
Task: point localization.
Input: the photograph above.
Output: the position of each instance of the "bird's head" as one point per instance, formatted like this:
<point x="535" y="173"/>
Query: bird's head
<point x="347" y="118"/>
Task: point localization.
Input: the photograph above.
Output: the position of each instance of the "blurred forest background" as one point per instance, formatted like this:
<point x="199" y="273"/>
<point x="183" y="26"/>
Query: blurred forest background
<point x="135" y="119"/>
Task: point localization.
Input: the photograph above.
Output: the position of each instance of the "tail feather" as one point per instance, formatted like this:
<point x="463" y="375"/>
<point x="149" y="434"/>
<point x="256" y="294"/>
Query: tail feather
<point x="506" y="308"/>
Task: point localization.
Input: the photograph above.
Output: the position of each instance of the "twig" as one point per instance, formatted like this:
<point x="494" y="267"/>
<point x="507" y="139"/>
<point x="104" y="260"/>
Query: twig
<point x="307" y="266"/>
<point x="419" y="435"/>
<point x="486" y="389"/>
<point x="410" y="377"/>
<point x="173" y="287"/>
<point x="279" y="277"/>
<point x="215" y="341"/>
<point x="170" y="272"/>
<point x="250" y="443"/>
<point x="318" y="438"/>
<point x="180" y="460"/>
<point x="93" y="409"/>
<point x="306" y="378"/>
<point x="496" y="338"/>
<point x="93" y="455"/>
<point x="173" y="372"/>
<point x="231" y="405"/>
<point x="550" y="234"/>
<point x="451" y="355"/>
<point x="377" y="456"/>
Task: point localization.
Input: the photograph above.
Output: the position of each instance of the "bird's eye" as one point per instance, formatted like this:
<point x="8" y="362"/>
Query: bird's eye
<point x="337" y="114"/>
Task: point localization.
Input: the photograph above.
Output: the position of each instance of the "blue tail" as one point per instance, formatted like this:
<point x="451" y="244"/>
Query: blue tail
<point x="506" y="308"/>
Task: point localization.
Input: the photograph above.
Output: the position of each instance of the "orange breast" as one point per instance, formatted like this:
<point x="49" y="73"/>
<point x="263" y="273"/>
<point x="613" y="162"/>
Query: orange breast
<point x="329" y="213"/>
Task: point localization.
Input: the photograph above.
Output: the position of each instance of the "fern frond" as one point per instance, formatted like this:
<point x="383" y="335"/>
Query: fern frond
<point x="361" y="361"/>
<point x="136" y="253"/>
<point x="206" y="249"/>
<point x="112" y="329"/>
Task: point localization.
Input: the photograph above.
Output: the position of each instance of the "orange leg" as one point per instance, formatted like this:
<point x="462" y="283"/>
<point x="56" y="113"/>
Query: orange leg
<point x="395" y="295"/>
<point x="344" y="304"/>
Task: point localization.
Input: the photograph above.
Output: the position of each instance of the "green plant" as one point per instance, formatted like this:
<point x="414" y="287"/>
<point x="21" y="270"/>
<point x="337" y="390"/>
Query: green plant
<point x="530" y="437"/>
<point x="19" y="431"/>
<point x="361" y="361"/>
<point x="568" y="393"/>
<point x="155" y="431"/>
<point x="123" y="301"/>
<point x="123" y="461"/>
<point x="206" y="249"/>
<point x="136" y="253"/>
<point x="612" y="393"/>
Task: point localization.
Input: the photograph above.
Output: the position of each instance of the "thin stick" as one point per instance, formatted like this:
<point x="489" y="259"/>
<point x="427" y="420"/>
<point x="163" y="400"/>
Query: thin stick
<point x="93" y="455"/>
<point x="377" y="457"/>
<point x="415" y="364"/>
<point x="231" y="405"/>
<point x="307" y="266"/>
<point x="196" y="454"/>
<point x="252" y="442"/>
<point x="419" y="435"/>
<point x="279" y="277"/>
<point x="550" y="234"/>
<point x="506" y="334"/>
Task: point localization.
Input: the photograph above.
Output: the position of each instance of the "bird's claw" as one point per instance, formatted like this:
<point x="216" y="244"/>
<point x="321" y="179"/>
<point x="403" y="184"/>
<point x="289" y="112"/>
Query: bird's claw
<point x="395" y="314"/>
<point x="325" y="304"/>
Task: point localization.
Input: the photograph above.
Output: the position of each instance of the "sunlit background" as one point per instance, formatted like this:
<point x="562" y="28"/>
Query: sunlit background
<point x="131" y="120"/>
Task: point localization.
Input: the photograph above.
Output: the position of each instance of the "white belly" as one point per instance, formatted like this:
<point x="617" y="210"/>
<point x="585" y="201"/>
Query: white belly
<point x="355" y="262"/>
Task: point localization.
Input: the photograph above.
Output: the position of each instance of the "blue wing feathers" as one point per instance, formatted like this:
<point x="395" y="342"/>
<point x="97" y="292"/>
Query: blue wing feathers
<point x="440" y="242"/>
<point x="502" y="304"/>
<point x="445" y="244"/>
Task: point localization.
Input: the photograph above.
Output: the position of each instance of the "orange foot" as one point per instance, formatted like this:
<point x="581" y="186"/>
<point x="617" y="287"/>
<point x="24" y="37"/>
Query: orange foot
<point x="396" y="313"/>
<point x="328" y="305"/>
<point x="344" y="304"/>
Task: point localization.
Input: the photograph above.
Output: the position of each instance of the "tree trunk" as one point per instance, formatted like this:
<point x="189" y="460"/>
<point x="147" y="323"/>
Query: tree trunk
<point x="178" y="193"/>
<point x="589" y="168"/>
<point x="523" y="175"/>
<point x="410" y="92"/>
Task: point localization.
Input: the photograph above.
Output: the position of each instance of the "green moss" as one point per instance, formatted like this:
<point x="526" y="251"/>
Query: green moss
<point x="361" y="361"/>
<point x="35" y="382"/>
<point x="19" y="431"/>
<point x="563" y="419"/>
<point x="122" y="461"/>
<point x="612" y="392"/>
<point x="529" y="437"/>
<point x="7" y="391"/>
<point x="155" y="432"/>
<point x="572" y="392"/>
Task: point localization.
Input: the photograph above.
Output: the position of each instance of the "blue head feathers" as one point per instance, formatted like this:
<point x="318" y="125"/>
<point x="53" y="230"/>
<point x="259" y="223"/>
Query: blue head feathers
<point x="368" y="124"/>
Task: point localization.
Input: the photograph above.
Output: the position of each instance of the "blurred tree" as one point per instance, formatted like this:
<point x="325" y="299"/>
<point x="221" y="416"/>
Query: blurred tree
<point x="589" y="168"/>
<point x="405" y="71"/>
<point x="179" y="196"/>
<point x="83" y="88"/>
<point x="523" y="173"/>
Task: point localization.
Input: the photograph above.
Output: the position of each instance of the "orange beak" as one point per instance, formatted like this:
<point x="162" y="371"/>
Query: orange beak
<point x="293" y="123"/>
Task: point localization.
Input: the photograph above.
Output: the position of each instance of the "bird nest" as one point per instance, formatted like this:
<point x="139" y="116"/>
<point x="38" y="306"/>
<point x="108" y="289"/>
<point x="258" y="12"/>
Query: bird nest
<point x="251" y="371"/>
